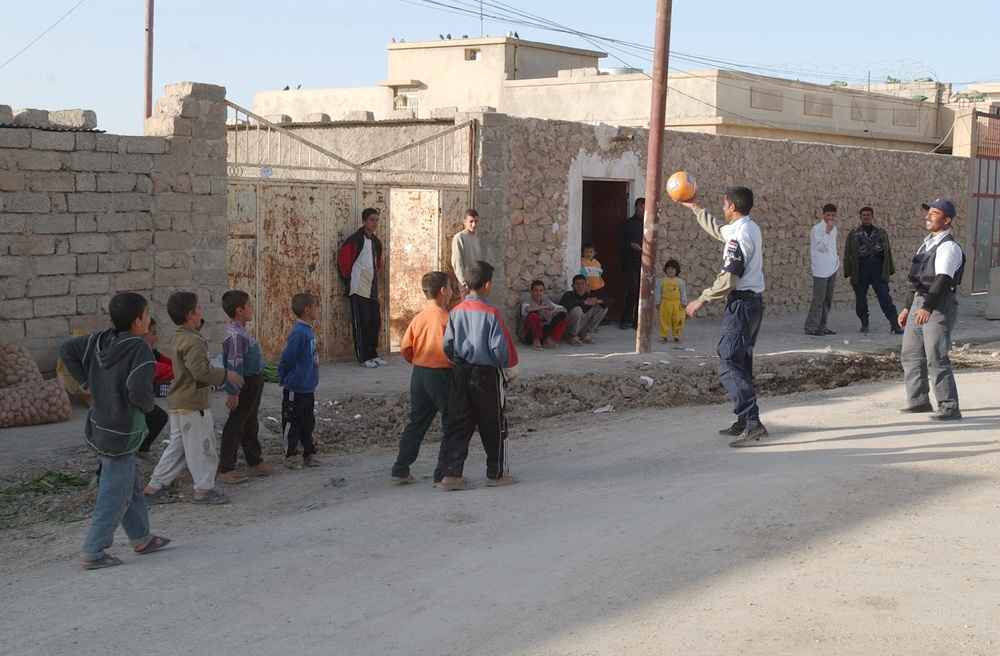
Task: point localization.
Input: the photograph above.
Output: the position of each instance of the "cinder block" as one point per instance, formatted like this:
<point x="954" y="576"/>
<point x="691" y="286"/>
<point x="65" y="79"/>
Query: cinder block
<point x="54" y="224"/>
<point x="86" y="222"/>
<point x="48" y="286"/>
<point x="359" y="116"/>
<point x="132" y="163"/>
<point x="89" y="243"/>
<point x="126" y="202"/>
<point x="112" y="262"/>
<point x="318" y="117"/>
<point x="86" y="181"/>
<point x="12" y="181"/>
<point x="109" y="143"/>
<point x="42" y="140"/>
<point x="86" y="304"/>
<point x="49" y="327"/>
<point x="197" y="90"/>
<point x="43" y="160"/>
<point x="116" y="222"/>
<point x="77" y="119"/>
<point x="87" y="161"/>
<point x="115" y="181"/>
<point x="90" y="202"/>
<point x="6" y="114"/>
<point x="53" y="265"/>
<point x="14" y="138"/>
<point x="147" y="145"/>
<point x="172" y="240"/>
<point x="12" y="224"/>
<point x="25" y="201"/>
<point x="86" y="263"/>
<point x="52" y="181"/>
<point x="134" y="280"/>
<point x="92" y="284"/>
<point x="11" y="331"/>
<point x="59" y="306"/>
<point x="37" y="118"/>
<point x="34" y="245"/>
<point x="86" y="141"/>
<point x="16" y="309"/>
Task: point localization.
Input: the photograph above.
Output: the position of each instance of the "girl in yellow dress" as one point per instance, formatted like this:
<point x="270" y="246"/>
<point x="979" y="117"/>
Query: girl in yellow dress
<point x="671" y="297"/>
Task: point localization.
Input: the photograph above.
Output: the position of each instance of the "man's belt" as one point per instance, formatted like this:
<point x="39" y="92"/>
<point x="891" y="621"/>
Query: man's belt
<point x="742" y="294"/>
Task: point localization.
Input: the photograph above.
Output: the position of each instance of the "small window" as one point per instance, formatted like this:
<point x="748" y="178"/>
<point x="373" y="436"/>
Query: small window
<point x="473" y="54"/>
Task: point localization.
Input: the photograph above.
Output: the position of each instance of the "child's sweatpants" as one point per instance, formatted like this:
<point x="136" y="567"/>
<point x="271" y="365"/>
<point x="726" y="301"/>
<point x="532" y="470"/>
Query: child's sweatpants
<point x="476" y="401"/>
<point x="671" y="318"/>
<point x="192" y="445"/>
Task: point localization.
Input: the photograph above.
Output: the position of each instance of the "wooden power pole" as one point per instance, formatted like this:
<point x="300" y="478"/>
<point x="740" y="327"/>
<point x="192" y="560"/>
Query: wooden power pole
<point x="654" y="176"/>
<point x="148" y="107"/>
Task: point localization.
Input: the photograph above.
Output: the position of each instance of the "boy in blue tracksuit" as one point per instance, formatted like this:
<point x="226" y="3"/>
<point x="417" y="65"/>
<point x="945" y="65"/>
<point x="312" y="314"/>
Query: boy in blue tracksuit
<point x="479" y="345"/>
<point x="298" y="373"/>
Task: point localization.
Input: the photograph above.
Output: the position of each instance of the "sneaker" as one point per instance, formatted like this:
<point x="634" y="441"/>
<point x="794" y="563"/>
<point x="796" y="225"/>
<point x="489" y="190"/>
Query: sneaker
<point x="312" y="461"/>
<point x="677" y="340"/>
<point x="750" y="435"/>
<point x="864" y="328"/>
<point x="920" y="407"/>
<point x="230" y="477"/>
<point x="734" y="430"/>
<point x="292" y="462"/>
<point x="945" y="413"/>
<point x="507" y="479"/>
<point x="379" y="361"/>
<point x="896" y="331"/>
<point x="260" y="469"/>
<point x="371" y="364"/>
<point x="827" y="331"/>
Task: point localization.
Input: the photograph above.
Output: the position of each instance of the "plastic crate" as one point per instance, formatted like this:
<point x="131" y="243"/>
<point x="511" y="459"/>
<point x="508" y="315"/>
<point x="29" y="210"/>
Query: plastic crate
<point x="161" y="389"/>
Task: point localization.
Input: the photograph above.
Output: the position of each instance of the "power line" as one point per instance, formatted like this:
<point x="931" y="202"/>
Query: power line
<point x="42" y="34"/>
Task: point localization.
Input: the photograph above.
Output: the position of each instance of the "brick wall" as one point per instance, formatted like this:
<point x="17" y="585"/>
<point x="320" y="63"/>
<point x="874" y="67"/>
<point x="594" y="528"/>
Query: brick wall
<point x="85" y="215"/>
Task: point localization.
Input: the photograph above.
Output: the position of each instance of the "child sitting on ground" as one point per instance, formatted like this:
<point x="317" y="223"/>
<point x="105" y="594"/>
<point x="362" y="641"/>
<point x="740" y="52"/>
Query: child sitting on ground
<point x="430" y="380"/>
<point x="192" y="431"/>
<point x="117" y="366"/>
<point x="671" y="297"/>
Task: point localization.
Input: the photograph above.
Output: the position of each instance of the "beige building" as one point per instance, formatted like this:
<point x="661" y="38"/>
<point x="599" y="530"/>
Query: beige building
<point x="436" y="79"/>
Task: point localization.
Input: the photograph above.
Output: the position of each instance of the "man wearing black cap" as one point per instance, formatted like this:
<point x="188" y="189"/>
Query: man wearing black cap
<point x="934" y="276"/>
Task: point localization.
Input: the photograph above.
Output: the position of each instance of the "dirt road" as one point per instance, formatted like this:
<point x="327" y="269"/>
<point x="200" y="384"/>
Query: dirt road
<point x="854" y="530"/>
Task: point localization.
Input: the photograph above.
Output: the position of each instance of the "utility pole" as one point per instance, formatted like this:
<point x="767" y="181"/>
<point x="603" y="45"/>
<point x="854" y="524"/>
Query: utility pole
<point x="654" y="175"/>
<point x="148" y="108"/>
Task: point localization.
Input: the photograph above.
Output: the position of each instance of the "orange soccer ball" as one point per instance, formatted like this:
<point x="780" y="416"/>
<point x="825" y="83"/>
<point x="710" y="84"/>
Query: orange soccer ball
<point x="681" y="186"/>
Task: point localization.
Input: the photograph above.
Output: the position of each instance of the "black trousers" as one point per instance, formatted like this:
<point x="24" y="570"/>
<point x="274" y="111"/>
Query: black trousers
<point x="156" y="419"/>
<point x="630" y="307"/>
<point x="298" y="419"/>
<point x="476" y="401"/>
<point x="242" y="427"/>
<point x="366" y="321"/>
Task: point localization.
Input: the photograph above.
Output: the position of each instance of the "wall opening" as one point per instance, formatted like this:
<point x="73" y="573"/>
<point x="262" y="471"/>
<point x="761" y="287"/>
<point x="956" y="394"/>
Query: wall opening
<point x="605" y="206"/>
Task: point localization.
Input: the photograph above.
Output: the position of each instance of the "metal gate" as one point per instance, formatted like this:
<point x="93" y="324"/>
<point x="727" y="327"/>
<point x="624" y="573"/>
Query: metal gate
<point x="292" y="203"/>
<point x="985" y="203"/>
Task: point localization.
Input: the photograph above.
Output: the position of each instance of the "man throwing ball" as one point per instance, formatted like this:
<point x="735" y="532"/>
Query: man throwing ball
<point x="741" y="283"/>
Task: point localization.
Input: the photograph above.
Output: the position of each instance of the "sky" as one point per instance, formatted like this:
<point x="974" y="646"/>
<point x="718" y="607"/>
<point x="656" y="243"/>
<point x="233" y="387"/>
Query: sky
<point x="89" y="54"/>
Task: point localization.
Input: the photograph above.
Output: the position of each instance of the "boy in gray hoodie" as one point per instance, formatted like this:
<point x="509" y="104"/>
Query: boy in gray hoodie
<point x="117" y="366"/>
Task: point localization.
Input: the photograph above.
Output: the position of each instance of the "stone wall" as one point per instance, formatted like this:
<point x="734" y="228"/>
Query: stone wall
<point x="532" y="171"/>
<point x="85" y="215"/>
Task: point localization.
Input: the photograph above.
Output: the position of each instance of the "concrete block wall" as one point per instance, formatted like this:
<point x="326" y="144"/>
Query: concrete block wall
<point x="530" y="170"/>
<point x="86" y="215"/>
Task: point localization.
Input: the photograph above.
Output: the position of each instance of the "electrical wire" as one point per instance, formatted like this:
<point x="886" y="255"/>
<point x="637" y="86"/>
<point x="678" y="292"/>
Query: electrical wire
<point x="18" y="53"/>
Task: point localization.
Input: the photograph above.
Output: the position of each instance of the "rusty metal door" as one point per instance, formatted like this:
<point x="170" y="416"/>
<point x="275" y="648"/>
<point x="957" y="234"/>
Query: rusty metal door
<point x="415" y="248"/>
<point x="985" y="202"/>
<point x="292" y="204"/>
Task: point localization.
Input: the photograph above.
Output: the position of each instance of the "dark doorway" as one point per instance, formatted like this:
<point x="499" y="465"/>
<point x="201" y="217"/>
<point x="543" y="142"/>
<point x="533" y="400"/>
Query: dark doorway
<point x="605" y="206"/>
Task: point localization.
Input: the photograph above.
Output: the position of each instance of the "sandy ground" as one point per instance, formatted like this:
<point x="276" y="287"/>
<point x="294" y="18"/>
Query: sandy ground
<point x="853" y="530"/>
